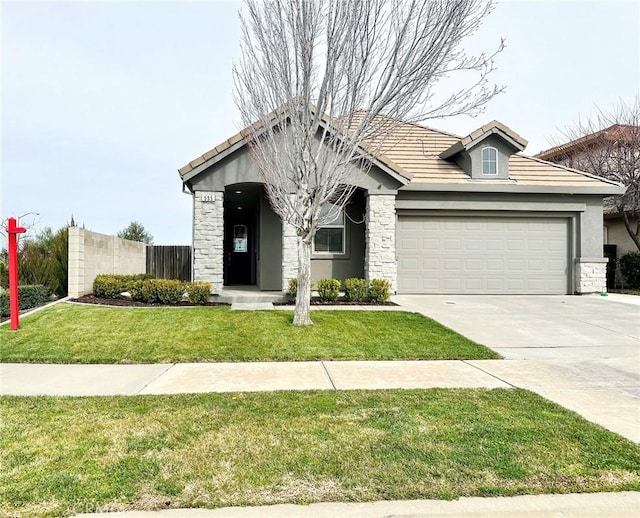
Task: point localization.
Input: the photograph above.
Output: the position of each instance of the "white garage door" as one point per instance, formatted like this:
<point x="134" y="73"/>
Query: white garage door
<point x="451" y="254"/>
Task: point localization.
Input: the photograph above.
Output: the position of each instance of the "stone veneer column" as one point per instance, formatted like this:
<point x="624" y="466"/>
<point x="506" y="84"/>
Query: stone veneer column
<point x="289" y="255"/>
<point x="591" y="275"/>
<point x="380" y="255"/>
<point x="208" y="238"/>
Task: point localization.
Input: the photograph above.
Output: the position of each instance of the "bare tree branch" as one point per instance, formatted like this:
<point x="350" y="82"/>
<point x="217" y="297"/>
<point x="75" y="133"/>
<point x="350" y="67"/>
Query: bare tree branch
<point x="320" y="80"/>
<point x="608" y="145"/>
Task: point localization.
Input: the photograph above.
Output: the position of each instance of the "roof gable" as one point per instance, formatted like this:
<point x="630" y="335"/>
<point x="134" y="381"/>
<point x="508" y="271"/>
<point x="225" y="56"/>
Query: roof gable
<point x="240" y="139"/>
<point x="474" y="138"/>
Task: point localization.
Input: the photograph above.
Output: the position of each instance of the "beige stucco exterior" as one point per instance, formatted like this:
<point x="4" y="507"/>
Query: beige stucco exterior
<point x="615" y="233"/>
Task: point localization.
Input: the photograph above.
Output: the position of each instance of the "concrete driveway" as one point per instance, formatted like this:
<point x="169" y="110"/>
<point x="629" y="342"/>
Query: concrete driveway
<point x="581" y="352"/>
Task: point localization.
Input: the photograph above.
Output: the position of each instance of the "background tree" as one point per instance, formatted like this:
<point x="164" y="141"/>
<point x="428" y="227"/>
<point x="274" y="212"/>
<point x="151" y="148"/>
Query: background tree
<point x="136" y="232"/>
<point x="43" y="259"/>
<point x="608" y="145"/>
<point x="323" y="83"/>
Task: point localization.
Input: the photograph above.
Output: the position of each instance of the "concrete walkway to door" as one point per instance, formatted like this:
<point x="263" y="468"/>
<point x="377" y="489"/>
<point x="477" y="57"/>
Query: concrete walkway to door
<point x="581" y="352"/>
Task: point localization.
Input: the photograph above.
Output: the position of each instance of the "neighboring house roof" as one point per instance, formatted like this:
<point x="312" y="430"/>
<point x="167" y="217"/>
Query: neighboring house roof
<point x="414" y="153"/>
<point x="612" y="133"/>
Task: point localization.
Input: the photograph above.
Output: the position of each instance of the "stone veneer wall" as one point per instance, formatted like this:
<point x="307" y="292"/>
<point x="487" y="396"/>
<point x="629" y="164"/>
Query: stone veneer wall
<point x="591" y="275"/>
<point x="208" y="238"/>
<point x="289" y="255"/>
<point x="91" y="254"/>
<point x="380" y="256"/>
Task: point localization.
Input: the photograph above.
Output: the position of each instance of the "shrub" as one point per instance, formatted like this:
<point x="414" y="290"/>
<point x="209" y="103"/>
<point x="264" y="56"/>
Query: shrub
<point x="169" y="291"/>
<point x="329" y="289"/>
<point x="4" y="270"/>
<point x="198" y="292"/>
<point x="43" y="260"/>
<point x="355" y="290"/>
<point x="630" y="269"/>
<point x="135" y="290"/>
<point x="29" y="296"/>
<point x="149" y="291"/>
<point x="293" y="288"/>
<point x="109" y="286"/>
<point x="379" y="291"/>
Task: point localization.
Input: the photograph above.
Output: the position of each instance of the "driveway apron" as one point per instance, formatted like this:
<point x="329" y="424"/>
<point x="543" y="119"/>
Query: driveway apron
<point x="581" y="352"/>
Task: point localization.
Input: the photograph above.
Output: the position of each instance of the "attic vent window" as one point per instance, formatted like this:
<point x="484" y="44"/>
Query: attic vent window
<point x="489" y="161"/>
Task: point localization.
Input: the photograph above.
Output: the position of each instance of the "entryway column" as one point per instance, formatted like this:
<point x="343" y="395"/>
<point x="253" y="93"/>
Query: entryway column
<point x="380" y="256"/>
<point x="208" y="238"/>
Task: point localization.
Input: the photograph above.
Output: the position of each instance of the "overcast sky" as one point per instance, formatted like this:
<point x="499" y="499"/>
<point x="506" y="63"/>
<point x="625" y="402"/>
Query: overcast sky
<point x="102" y="102"/>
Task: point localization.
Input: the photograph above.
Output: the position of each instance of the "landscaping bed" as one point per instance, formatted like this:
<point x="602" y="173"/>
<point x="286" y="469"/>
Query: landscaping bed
<point x="61" y="456"/>
<point x="73" y="333"/>
<point x="121" y="301"/>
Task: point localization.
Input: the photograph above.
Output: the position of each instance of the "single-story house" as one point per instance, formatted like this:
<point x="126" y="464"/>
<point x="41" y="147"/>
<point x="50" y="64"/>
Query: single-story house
<point x="435" y="213"/>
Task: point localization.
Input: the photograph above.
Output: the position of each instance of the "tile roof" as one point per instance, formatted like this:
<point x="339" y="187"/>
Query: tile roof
<point x="413" y="151"/>
<point x="611" y="133"/>
<point x="417" y="150"/>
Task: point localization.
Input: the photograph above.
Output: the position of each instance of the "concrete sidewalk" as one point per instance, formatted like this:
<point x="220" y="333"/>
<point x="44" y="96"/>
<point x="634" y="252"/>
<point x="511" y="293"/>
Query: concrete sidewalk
<point x="611" y="406"/>
<point x="23" y="379"/>
<point x="589" y="505"/>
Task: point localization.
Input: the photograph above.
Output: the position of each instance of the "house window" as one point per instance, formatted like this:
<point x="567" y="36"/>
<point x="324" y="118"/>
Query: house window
<point x="329" y="238"/>
<point x="489" y="161"/>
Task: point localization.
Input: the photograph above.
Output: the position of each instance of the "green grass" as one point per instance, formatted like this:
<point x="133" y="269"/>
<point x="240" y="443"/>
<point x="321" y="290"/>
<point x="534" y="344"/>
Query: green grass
<point x="68" y="333"/>
<point x="66" y="455"/>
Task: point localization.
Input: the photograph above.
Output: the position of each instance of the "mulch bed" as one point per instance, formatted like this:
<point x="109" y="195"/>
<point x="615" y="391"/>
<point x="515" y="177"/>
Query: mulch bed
<point x="315" y="301"/>
<point x="125" y="302"/>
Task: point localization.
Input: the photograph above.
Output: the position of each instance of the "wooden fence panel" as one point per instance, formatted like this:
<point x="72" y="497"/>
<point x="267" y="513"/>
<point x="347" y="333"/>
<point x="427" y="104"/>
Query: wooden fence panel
<point x="169" y="262"/>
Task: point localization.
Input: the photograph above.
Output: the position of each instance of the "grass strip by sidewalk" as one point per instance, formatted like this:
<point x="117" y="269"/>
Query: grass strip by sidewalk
<point x="68" y="333"/>
<point x="65" y="455"/>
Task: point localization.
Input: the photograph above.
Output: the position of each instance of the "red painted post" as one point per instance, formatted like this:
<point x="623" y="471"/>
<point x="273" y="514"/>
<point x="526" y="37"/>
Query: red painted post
<point x="13" y="230"/>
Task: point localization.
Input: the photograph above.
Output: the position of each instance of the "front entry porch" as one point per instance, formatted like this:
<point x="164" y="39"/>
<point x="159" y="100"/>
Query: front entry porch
<point x="249" y="295"/>
<point x="240" y="244"/>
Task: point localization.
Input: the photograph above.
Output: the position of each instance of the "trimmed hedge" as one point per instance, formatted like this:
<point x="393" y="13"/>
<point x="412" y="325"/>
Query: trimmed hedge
<point x="29" y="296"/>
<point x="630" y="269"/>
<point x="379" y="291"/>
<point x="376" y="291"/>
<point x="328" y="289"/>
<point x="169" y="291"/>
<point x="355" y="290"/>
<point x="293" y="288"/>
<point x="111" y="286"/>
<point x="145" y="288"/>
<point x="198" y="292"/>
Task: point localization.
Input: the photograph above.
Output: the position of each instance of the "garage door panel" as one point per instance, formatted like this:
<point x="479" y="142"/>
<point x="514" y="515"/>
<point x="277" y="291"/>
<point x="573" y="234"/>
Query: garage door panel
<point x="482" y="255"/>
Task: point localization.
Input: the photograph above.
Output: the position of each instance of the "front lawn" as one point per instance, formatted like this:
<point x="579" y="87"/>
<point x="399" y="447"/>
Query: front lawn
<point x="60" y="456"/>
<point x="68" y="333"/>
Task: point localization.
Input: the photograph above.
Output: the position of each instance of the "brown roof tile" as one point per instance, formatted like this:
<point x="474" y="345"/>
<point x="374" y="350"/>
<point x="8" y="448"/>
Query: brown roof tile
<point x="413" y="151"/>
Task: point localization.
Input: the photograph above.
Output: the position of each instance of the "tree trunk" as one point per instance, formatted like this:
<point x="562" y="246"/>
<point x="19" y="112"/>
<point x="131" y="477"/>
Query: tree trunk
<point x="302" y="313"/>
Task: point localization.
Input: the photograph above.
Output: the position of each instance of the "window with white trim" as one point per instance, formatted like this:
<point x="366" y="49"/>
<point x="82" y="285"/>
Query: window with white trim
<point x="489" y="161"/>
<point x="330" y="238"/>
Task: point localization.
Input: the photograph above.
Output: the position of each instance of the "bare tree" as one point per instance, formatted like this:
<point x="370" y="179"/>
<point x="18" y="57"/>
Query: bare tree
<point x="322" y="83"/>
<point x="608" y="145"/>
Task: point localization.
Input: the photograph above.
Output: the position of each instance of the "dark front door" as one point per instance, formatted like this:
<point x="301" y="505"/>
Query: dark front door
<point x="611" y="252"/>
<point x="239" y="247"/>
